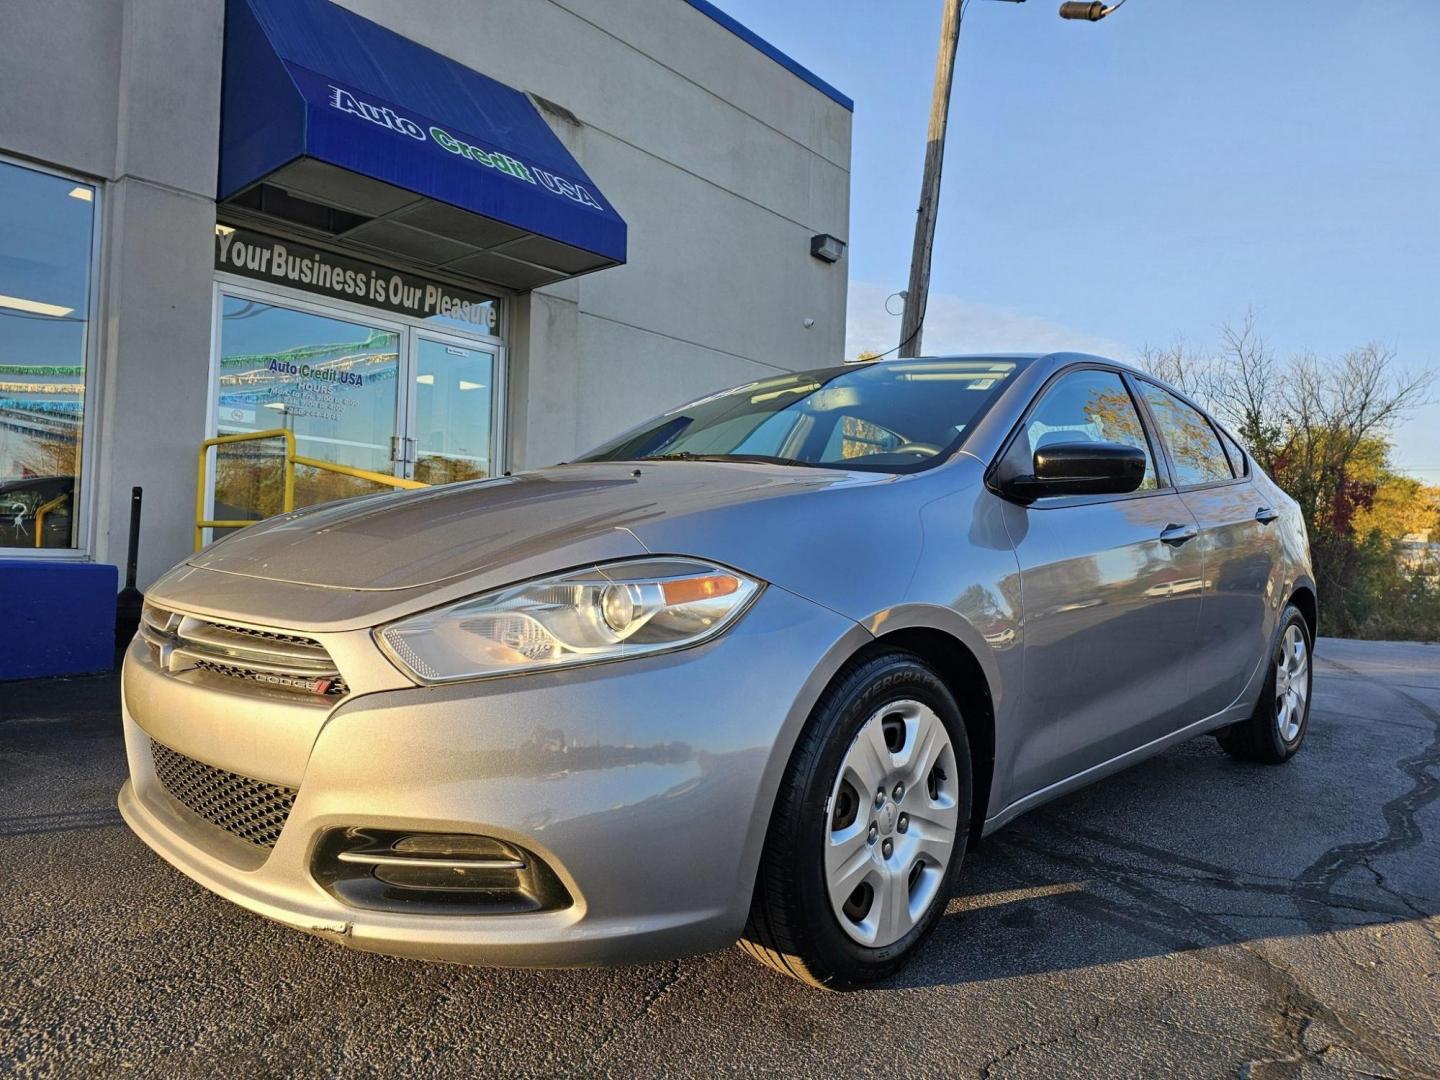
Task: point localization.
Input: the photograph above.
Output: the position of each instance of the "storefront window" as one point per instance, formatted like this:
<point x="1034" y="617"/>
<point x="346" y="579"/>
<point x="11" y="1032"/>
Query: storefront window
<point x="47" y="226"/>
<point x="331" y="381"/>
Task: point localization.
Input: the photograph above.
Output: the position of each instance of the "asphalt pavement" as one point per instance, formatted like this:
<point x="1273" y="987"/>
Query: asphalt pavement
<point x="1193" y="916"/>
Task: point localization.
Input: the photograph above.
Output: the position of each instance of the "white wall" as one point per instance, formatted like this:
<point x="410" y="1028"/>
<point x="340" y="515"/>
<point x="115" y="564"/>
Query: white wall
<point x="723" y="164"/>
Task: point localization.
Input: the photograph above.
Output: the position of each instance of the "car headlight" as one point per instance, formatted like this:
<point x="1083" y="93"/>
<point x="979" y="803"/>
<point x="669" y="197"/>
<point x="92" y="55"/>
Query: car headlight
<point x="609" y="612"/>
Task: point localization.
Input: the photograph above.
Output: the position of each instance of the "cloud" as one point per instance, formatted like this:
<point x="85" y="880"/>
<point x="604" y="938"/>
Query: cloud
<point x="956" y="325"/>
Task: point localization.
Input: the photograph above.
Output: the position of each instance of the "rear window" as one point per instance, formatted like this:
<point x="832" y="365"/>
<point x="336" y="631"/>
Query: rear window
<point x="1195" y="449"/>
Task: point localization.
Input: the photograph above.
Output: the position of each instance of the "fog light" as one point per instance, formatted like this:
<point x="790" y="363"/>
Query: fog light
<point x="434" y="873"/>
<point x="457" y="844"/>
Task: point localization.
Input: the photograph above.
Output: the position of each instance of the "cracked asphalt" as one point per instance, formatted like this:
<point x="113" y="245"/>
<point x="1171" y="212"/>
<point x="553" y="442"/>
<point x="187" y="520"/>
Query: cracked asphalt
<point x="1190" y="917"/>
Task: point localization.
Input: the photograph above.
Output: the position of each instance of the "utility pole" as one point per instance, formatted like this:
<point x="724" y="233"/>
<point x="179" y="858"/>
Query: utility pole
<point x="917" y="294"/>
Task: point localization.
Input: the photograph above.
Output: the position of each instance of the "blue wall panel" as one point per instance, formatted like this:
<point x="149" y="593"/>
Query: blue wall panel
<point x="58" y="618"/>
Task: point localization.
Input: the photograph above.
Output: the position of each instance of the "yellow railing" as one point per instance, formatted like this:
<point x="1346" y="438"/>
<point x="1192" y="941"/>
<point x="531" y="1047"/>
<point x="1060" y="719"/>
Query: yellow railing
<point x="42" y="511"/>
<point x="292" y="459"/>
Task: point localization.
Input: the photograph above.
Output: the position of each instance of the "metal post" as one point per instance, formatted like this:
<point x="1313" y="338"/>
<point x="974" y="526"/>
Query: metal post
<point x="133" y="552"/>
<point x="130" y="600"/>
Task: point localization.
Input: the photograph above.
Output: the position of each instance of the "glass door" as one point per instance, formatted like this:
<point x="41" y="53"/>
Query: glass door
<point x="374" y="394"/>
<point x="453" y="416"/>
<point x="335" y="382"/>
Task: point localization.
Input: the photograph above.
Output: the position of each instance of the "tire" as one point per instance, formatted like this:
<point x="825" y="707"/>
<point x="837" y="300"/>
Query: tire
<point x="1277" y="727"/>
<point x="797" y="924"/>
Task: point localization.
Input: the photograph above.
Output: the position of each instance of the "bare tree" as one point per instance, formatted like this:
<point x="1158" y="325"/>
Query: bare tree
<point x="1182" y="366"/>
<point x="1244" y="388"/>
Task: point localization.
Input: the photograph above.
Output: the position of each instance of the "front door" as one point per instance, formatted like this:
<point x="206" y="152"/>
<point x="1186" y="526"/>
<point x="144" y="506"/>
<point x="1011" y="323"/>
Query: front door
<point x="1111" y="593"/>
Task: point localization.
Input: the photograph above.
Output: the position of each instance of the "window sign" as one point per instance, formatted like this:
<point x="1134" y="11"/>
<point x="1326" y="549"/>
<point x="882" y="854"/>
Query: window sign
<point x="47" y="227"/>
<point x="339" y="277"/>
<point x="331" y="381"/>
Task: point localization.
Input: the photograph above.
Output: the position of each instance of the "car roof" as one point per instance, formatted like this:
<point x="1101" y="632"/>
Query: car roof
<point x="1054" y="360"/>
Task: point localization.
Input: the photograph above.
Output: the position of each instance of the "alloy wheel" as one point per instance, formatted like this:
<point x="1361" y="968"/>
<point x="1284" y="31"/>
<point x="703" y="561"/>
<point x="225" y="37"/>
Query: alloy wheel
<point x="1292" y="682"/>
<point x="891" y="823"/>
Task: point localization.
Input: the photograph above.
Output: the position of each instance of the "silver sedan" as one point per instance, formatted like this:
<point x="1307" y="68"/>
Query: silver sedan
<point x="763" y="668"/>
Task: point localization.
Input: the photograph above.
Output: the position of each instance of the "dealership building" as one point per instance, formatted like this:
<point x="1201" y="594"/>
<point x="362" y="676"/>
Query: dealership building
<point x="414" y="242"/>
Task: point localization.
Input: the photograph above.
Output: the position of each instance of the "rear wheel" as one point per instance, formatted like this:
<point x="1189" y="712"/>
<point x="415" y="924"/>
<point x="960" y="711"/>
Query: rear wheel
<point x="869" y="828"/>
<point x="1277" y="727"/>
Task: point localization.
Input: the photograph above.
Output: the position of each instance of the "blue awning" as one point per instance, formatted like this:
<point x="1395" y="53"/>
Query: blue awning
<point x="417" y="154"/>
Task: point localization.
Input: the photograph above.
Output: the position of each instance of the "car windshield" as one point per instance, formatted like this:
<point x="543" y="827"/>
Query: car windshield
<point x="890" y="416"/>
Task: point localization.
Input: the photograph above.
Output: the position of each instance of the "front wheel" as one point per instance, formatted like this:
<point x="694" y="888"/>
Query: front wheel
<point x="1277" y="727"/>
<point x="869" y="828"/>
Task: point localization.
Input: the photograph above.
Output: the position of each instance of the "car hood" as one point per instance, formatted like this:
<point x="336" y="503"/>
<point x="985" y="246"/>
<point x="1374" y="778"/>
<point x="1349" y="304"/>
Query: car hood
<point x="556" y="517"/>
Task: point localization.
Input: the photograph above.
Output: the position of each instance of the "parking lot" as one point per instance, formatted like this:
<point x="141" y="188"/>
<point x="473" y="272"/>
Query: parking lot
<point x="1191" y="917"/>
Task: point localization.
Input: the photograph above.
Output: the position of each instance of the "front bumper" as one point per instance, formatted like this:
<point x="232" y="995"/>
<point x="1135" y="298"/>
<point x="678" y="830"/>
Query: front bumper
<point x="646" y="785"/>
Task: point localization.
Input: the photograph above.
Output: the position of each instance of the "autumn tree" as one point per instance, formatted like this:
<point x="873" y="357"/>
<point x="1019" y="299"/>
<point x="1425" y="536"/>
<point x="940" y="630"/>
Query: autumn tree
<point x="1321" y="429"/>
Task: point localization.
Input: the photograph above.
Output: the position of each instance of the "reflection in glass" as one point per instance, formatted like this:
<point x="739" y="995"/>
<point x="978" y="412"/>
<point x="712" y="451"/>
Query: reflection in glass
<point x="330" y="381"/>
<point x="46" y="238"/>
<point x="891" y="416"/>
<point x="1090" y="406"/>
<point x="454" y="389"/>
<point x="1194" y="447"/>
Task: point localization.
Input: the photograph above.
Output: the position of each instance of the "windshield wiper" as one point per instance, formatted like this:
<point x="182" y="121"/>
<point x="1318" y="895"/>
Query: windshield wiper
<point x="764" y="459"/>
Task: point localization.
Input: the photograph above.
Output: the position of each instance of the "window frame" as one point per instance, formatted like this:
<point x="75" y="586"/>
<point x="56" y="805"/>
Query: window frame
<point x="1215" y="429"/>
<point x="83" y="505"/>
<point x="1164" y="484"/>
<point x="1228" y="441"/>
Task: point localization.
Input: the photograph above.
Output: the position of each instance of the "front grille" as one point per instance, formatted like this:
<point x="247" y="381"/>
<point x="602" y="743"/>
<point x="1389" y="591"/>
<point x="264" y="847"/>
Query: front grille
<point x="267" y="635"/>
<point x="250" y="809"/>
<point x="331" y="688"/>
<point x="260" y="658"/>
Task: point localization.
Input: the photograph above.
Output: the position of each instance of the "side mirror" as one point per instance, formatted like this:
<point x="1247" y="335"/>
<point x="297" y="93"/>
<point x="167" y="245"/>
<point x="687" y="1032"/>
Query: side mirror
<point x="1080" y="468"/>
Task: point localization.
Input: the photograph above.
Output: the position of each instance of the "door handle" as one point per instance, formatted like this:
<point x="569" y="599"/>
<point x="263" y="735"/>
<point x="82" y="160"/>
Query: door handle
<point x="1175" y="535"/>
<point x="1265" y="515"/>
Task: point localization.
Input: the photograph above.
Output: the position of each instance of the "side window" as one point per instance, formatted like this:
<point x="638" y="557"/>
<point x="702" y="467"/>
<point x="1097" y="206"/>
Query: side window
<point x="1237" y="456"/>
<point x="1086" y="406"/>
<point x="1195" y="449"/>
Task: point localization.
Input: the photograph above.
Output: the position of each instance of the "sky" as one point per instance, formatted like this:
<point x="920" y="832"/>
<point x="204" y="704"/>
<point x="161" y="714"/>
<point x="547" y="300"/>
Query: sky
<point x="1147" y="178"/>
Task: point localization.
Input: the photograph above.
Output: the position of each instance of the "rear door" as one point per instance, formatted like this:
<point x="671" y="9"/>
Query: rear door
<point x="1110" y="588"/>
<point x="1237" y="544"/>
